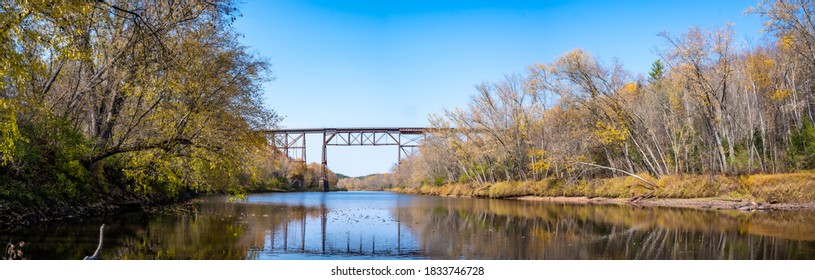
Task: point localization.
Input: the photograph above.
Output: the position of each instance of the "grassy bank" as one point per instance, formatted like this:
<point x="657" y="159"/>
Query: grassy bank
<point x="768" y="188"/>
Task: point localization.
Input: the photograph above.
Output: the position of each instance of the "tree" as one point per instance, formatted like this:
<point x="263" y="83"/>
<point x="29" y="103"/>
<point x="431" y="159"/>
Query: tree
<point x="157" y="95"/>
<point x="657" y="71"/>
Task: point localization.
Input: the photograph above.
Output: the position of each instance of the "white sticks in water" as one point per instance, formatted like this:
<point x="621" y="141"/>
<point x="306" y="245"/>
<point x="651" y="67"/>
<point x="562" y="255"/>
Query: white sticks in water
<point x="95" y="255"/>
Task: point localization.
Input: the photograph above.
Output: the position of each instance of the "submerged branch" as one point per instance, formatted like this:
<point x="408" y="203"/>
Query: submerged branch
<point x="95" y="255"/>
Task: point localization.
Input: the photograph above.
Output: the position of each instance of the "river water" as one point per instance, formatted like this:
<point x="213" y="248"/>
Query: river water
<point x="382" y="225"/>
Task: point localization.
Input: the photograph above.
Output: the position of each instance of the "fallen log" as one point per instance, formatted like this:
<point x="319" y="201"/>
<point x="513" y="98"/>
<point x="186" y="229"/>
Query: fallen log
<point x="641" y="197"/>
<point x="653" y="186"/>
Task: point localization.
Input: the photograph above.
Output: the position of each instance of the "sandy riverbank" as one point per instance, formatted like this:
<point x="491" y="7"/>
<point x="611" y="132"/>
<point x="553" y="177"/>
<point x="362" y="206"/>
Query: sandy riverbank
<point x="699" y="203"/>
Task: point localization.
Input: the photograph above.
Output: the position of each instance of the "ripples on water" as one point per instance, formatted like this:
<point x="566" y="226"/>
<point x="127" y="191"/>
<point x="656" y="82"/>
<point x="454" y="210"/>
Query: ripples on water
<point x="380" y="225"/>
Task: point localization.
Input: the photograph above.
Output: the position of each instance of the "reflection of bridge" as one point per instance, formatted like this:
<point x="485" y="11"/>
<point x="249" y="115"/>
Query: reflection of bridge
<point x="292" y="142"/>
<point x="302" y="218"/>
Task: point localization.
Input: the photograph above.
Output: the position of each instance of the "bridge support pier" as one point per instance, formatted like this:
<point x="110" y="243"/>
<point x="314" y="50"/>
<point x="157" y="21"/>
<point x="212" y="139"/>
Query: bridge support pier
<point x="324" y="166"/>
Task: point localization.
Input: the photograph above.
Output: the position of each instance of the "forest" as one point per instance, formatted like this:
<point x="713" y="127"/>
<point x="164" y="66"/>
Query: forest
<point x="711" y="107"/>
<point x="131" y="102"/>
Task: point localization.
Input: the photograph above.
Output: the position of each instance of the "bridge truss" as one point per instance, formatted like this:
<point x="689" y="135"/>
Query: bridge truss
<point x="292" y="142"/>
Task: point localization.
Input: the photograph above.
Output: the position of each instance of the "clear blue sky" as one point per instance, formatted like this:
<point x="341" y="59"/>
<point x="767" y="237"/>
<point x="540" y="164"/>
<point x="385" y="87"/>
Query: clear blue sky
<point x="391" y="63"/>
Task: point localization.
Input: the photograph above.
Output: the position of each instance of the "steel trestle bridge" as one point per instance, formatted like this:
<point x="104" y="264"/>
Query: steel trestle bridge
<point x="292" y="142"/>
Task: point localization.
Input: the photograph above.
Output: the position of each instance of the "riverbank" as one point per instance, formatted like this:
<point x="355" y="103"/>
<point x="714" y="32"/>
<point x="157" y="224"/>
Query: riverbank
<point x="753" y="192"/>
<point x="698" y="203"/>
<point x="14" y="215"/>
<point x="118" y="200"/>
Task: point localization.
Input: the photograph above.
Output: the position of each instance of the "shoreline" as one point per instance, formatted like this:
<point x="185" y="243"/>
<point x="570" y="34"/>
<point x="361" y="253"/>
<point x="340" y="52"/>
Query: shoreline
<point x="781" y="191"/>
<point x="691" y="203"/>
<point x="11" y="221"/>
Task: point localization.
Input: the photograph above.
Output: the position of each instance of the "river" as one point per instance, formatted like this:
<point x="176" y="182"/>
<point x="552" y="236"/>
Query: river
<point x="383" y="225"/>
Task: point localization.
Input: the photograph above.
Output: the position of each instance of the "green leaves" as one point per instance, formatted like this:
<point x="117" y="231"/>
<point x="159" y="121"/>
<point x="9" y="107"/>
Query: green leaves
<point x="9" y="132"/>
<point x="156" y="95"/>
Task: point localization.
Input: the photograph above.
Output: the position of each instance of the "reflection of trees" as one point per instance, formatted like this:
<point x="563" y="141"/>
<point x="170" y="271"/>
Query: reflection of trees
<point x="214" y="231"/>
<point x="432" y="227"/>
<point x="496" y="229"/>
<point x="62" y="240"/>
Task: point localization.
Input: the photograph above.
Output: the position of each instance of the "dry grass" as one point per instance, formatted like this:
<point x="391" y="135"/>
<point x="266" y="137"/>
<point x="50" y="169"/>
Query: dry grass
<point x="792" y="187"/>
<point x="694" y="186"/>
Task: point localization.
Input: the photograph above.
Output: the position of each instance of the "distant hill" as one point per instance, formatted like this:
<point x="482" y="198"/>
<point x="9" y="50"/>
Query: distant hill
<point x="378" y="181"/>
<point x="343" y="176"/>
<point x="369" y="175"/>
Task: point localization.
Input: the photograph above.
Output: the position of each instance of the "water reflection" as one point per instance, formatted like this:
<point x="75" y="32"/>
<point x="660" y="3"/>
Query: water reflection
<point x="375" y="225"/>
<point x="496" y="229"/>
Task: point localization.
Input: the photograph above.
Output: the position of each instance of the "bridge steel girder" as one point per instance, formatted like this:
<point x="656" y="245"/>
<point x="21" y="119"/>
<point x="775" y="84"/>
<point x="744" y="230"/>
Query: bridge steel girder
<point x="291" y="144"/>
<point x="407" y="140"/>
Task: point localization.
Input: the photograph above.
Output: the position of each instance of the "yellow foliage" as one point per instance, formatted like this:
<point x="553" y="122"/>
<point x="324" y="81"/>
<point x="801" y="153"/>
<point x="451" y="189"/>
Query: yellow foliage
<point x="610" y="133"/>
<point x="629" y="88"/>
<point x="539" y="164"/>
<point x="780" y="94"/>
<point x="785" y="42"/>
<point x="759" y="67"/>
<point x="675" y="100"/>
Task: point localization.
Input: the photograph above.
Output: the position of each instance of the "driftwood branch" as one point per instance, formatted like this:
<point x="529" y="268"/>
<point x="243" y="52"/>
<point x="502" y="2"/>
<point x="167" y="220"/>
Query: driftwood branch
<point x="641" y="197"/>
<point x="95" y="255"/>
<point x="621" y="171"/>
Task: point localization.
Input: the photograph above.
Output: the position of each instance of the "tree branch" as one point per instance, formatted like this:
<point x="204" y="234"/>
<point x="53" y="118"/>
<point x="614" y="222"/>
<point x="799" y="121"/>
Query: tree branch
<point x="621" y="171"/>
<point x="139" y="147"/>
